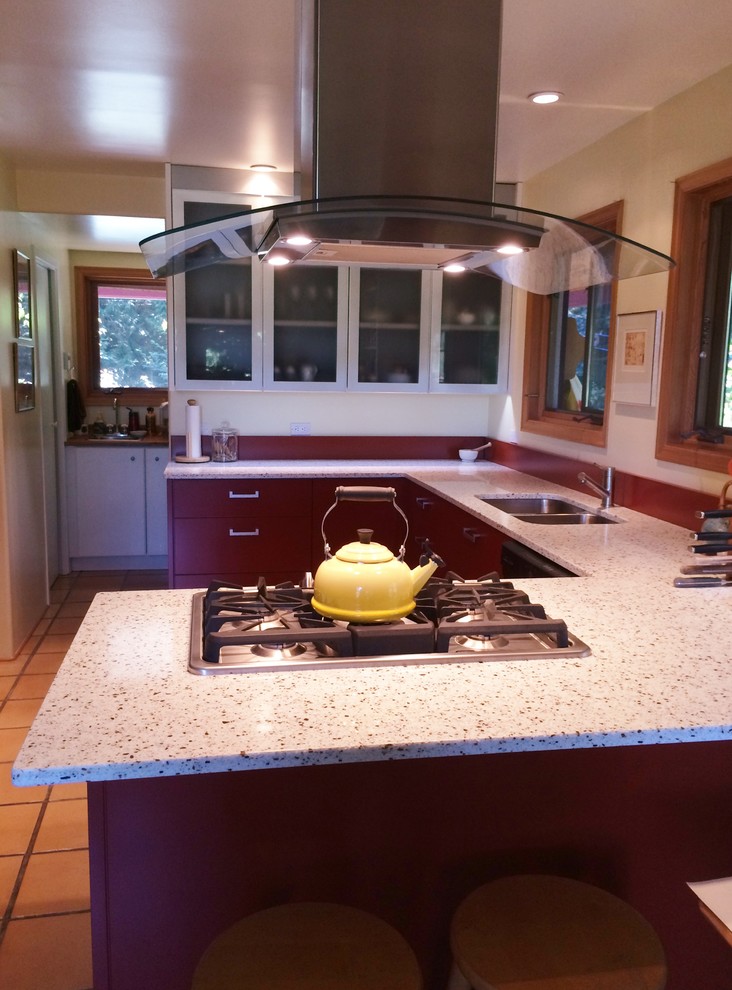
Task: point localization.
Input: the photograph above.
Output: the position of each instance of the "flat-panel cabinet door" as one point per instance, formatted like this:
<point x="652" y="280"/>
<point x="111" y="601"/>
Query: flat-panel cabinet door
<point x="471" y="322"/>
<point x="389" y="319"/>
<point x="156" y="501"/>
<point x="305" y="326"/>
<point x="106" y="494"/>
<point x="217" y="309"/>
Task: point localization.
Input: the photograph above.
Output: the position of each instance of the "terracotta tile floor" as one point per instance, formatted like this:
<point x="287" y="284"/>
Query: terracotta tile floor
<point x="45" y="932"/>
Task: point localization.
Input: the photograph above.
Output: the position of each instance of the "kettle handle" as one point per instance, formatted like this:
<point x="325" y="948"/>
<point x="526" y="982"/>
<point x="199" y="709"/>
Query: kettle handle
<point x="365" y="493"/>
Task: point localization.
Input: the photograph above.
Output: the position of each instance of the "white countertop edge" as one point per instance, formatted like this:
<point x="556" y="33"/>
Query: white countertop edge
<point x="156" y="769"/>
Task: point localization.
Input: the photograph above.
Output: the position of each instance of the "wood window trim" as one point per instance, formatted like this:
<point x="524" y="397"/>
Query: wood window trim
<point x="677" y="395"/>
<point x="84" y="277"/>
<point x="535" y="417"/>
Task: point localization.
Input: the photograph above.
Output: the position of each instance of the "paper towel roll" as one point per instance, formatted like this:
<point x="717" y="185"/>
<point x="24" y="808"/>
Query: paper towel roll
<point x="193" y="429"/>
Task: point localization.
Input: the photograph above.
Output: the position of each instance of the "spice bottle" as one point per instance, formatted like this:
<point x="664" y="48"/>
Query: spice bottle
<point x="150" y="423"/>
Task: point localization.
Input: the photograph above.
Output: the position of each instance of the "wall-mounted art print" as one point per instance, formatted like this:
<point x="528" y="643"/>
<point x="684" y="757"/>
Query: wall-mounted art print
<point x="636" y="357"/>
<point x="22" y="277"/>
<point x="24" y="363"/>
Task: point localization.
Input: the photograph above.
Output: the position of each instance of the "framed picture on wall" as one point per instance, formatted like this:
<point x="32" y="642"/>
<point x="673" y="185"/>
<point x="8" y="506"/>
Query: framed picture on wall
<point x="24" y="364"/>
<point x="22" y="278"/>
<point x="636" y="357"/>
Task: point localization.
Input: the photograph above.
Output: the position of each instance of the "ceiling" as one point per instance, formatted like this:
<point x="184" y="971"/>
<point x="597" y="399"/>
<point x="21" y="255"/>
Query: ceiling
<point x="126" y="85"/>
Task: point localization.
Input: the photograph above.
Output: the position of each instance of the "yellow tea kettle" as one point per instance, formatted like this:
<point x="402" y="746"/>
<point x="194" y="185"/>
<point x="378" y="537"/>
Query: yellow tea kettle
<point x="364" y="581"/>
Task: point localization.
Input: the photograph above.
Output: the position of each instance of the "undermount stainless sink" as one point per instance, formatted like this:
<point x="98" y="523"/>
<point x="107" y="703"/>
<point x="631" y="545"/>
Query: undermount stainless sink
<point x="546" y="510"/>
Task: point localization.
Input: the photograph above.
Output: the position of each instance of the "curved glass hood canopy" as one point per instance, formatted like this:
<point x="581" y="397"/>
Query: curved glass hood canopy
<point x="398" y="109"/>
<point x="539" y="252"/>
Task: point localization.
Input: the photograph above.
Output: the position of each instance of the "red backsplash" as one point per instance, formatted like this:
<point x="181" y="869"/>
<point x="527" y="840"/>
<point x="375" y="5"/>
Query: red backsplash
<point x="654" y="498"/>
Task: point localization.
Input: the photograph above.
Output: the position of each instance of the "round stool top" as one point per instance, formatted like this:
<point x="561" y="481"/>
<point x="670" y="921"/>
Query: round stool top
<point x="551" y="933"/>
<point x="308" y="946"/>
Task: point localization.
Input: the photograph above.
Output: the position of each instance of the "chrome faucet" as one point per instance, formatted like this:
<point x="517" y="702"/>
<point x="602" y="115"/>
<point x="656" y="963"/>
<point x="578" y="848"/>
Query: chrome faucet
<point x="115" y="405"/>
<point x="605" y="491"/>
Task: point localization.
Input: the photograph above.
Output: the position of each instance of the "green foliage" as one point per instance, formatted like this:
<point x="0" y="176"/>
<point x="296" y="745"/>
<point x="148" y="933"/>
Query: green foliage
<point x="133" y="343"/>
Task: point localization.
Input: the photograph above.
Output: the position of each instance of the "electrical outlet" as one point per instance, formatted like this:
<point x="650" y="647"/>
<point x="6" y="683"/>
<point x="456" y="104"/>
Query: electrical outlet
<point x="299" y="429"/>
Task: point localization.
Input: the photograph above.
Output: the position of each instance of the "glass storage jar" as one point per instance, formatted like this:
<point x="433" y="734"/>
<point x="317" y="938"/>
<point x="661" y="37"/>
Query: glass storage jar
<point x="224" y="443"/>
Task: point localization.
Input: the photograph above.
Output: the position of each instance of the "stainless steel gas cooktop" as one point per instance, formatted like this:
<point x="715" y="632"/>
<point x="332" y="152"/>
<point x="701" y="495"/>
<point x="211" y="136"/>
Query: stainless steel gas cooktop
<point x="275" y="628"/>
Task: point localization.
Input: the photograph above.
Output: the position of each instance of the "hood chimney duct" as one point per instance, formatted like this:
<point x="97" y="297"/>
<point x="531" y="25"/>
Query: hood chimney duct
<point x="404" y="97"/>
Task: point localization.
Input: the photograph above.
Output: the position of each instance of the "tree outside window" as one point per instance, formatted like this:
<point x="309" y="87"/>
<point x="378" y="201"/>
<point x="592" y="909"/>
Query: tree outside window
<point x="122" y="334"/>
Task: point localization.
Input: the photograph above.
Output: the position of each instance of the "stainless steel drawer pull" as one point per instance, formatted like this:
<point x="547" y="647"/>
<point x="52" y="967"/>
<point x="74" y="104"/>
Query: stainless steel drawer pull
<point x="473" y="535"/>
<point x="424" y="503"/>
<point x="249" y="495"/>
<point x="253" y="532"/>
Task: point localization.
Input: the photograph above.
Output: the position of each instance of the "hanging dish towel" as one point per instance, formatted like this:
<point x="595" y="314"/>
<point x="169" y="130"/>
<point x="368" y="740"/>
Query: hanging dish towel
<point x="75" y="408"/>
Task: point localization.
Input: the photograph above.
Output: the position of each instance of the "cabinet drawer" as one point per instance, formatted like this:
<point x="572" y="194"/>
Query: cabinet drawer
<point x="241" y="543"/>
<point x="241" y="497"/>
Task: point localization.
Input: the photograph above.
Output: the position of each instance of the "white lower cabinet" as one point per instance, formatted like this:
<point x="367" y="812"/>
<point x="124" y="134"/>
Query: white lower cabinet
<point x="156" y="501"/>
<point x="116" y="502"/>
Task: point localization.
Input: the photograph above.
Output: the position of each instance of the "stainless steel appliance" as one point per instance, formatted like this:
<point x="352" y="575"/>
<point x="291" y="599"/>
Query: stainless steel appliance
<point x="238" y="629"/>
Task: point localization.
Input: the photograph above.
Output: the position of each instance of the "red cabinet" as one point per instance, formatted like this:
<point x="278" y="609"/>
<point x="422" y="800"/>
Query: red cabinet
<point x="239" y="530"/>
<point x="468" y="546"/>
<point x="347" y="517"/>
<point x="242" y="529"/>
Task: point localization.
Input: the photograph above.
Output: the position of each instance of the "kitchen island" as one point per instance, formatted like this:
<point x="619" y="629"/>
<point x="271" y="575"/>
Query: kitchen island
<point x="358" y="796"/>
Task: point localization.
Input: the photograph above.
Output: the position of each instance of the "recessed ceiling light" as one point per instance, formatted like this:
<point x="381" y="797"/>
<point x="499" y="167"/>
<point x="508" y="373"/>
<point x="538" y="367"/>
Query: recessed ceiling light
<point x="263" y="168"/>
<point x="545" y="96"/>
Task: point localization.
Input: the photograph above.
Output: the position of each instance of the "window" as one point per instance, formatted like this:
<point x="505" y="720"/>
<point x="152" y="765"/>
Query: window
<point x="714" y="388"/>
<point x="122" y="334"/>
<point x="695" y="402"/>
<point x="568" y="354"/>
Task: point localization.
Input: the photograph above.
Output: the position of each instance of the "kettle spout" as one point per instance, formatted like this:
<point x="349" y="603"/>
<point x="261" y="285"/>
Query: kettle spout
<point x="428" y="564"/>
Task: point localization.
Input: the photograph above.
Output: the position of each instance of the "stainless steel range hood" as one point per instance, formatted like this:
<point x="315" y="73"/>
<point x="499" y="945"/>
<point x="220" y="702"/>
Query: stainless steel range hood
<point x="397" y="152"/>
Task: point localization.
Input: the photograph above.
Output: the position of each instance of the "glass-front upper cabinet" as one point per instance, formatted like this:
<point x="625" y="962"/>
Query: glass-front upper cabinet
<point x="305" y="327"/>
<point x="217" y="309"/>
<point x="388" y="313"/>
<point x="471" y="316"/>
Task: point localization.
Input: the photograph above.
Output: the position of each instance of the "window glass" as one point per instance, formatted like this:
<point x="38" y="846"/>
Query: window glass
<point x="132" y="337"/>
<point x="714" y="388"/>
<point x="579" y="334"/>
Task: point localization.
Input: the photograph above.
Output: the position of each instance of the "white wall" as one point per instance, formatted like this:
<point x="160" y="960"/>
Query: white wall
<point x="23" y="584"/>
<point x="336" y="413"/>
<point x="23" y="590"/>
<point x="639" y="164"/>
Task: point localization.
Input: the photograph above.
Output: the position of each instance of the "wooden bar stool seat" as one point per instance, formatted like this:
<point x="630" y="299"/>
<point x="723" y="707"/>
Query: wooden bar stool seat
<point x="551" y="933"/>
<point x="308" y="946"/>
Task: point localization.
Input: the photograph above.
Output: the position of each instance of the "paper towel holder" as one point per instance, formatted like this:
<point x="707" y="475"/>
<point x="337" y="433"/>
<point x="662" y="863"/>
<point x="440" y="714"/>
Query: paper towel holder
<point x="187" y="458"/>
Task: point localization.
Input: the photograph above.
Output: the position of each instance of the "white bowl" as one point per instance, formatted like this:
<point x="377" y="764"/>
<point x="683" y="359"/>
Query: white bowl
<point x="468" y="455"/>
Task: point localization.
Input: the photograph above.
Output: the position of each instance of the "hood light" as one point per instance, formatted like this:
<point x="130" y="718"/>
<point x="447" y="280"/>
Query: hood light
<point x="510" y="249"/>
<point x="545" y="96"/>
<point x="279" y="258"/>
<point x="454" y="268"/>
<point x="299" y="240"/>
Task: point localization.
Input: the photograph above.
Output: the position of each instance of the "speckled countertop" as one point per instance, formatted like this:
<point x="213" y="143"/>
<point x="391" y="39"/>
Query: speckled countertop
<point x="123" y="704"/>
